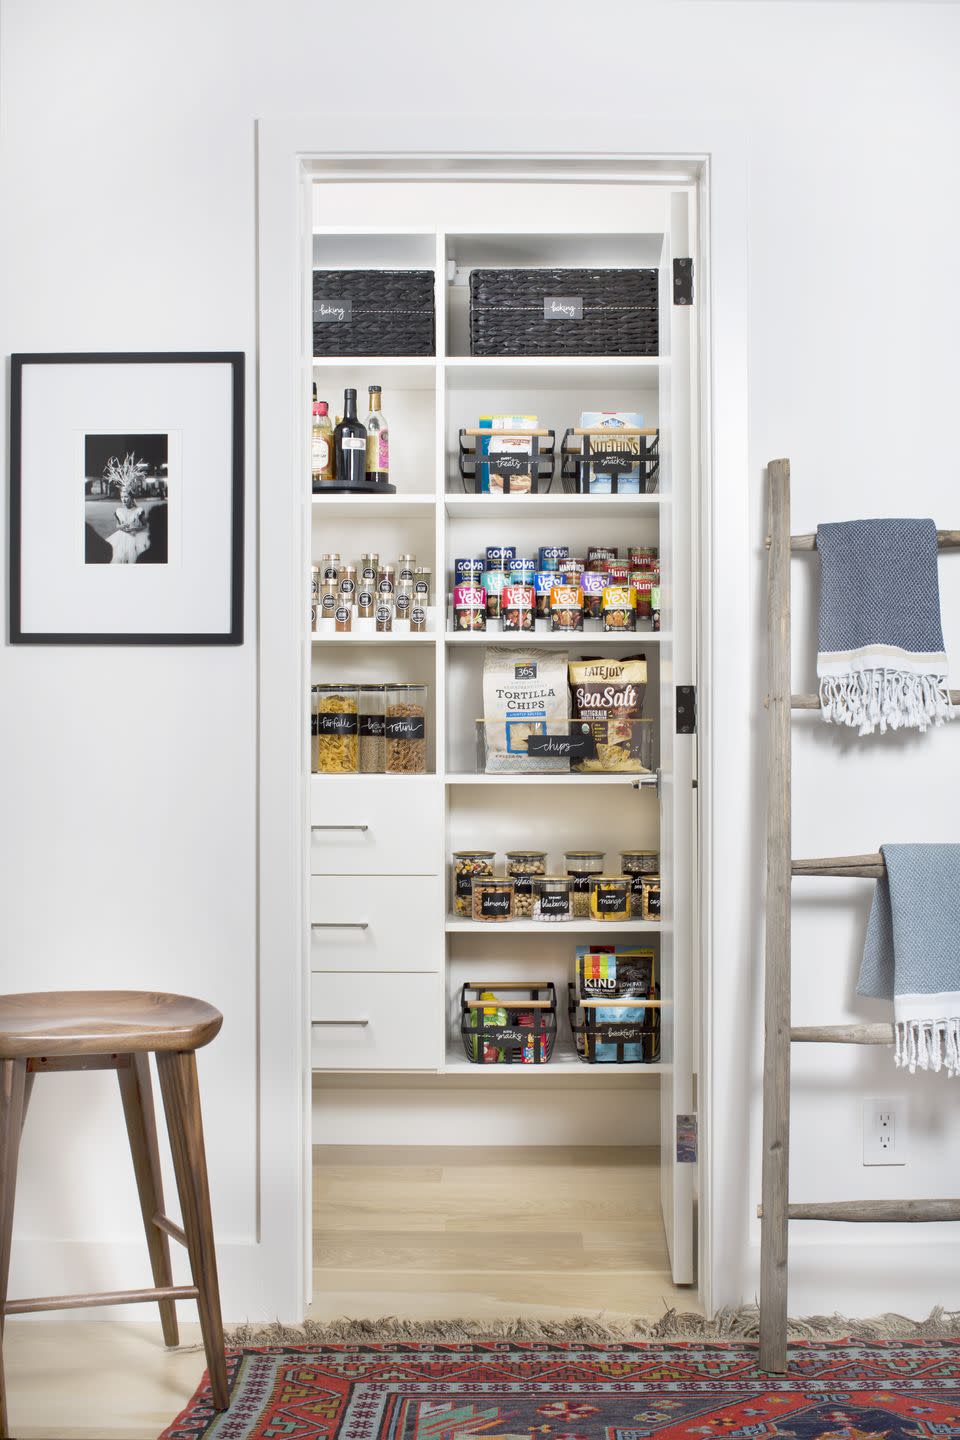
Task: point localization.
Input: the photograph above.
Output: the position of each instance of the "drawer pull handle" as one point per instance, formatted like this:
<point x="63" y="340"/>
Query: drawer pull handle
<point x="340" y="925"/>
<point x="339" y="827"/>
<point x="339" y="1022"/>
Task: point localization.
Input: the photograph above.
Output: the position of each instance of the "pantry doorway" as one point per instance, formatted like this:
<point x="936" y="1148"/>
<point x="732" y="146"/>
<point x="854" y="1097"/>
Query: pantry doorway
<point x="412" y="1145"/>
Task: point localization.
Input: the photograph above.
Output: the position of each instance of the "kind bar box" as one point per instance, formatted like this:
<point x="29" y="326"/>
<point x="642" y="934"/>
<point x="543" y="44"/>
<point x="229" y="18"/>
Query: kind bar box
<point x="613" y="455"/>
<point x="607" y="973"/>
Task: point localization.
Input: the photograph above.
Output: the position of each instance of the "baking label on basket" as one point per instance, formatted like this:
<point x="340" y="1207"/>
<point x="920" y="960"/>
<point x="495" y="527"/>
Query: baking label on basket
<point x="563" y="307"/>
<point x="575" y="747"/>
<point x="405" y="727"/>
<point x="333" y="312"/>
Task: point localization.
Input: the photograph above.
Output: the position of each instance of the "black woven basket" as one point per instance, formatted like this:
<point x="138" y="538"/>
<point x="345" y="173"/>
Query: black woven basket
<point x="563" y="312"/>
<point x="373" y="312"/>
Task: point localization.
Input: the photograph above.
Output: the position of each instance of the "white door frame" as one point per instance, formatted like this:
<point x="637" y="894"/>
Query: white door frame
<point x="286" y="145"/>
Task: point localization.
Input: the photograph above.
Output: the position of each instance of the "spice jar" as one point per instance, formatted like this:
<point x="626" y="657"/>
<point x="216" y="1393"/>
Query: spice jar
<point x="516" y="607"/>
<point x="406" y="729"/>
<point x="387" y="582"/>
<point x="373" y="744"/>
<point x="336" y="724"/>
<point x="470" y="607"/>
<point x="343" y="616"/>
<point x="650" y="900"/>
<point x="383" y="614"/>
<point x="406" y="567"/>
<point x="403" y="604"/>
<point x="328" y="600"/>
<point x="330" y="567"/>
<point x="637" y="864"/>
<point x="553" y="898"/>
<point x="581" y="865"/>
<point x="421" y="585"/>
<point x="348" y="585"/>
<point x="369" y="570"/>
<point x="524" y="866"/>
<point x="491" y="898"/>
<point x="467" y="864"/>
<point x="610" y="897"/>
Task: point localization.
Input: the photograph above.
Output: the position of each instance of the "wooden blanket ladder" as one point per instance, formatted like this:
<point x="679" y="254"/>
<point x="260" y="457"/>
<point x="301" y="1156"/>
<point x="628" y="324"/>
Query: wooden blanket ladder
<point x="779" y="1034"/>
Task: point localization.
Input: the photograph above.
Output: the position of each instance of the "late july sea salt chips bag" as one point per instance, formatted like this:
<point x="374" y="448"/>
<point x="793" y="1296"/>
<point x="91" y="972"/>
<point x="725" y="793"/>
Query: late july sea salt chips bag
<point x="881" y="660"/>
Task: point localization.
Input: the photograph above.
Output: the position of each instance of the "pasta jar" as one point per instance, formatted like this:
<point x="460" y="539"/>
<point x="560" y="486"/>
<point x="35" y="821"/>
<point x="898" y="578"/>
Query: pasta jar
<point x="553" y="898"/>
<point x="373" y="744"/>
<point x="469" y="607"/>
<point x="336" y="729"/>
<point x="637" y="864"/>
<point x="650" y="907"/>
<point x="405" y="729"/>
<point x="467" y="864"/>
<point x="581" y="865"/>
<point x="491" y="898"/>
<point x="516" y="607"/>
<point x="610" y="897"/>
<point x="524" y="866"/>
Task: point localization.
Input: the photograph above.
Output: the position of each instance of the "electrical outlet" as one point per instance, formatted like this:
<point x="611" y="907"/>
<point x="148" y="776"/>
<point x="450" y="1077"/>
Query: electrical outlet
<point x="885" y="1132"/>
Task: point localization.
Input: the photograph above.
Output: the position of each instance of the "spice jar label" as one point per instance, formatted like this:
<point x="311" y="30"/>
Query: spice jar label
<point x="385" y="586"/>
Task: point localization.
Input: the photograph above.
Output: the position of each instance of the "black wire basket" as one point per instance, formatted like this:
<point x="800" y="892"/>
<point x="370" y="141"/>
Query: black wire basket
<point x="584" y="457"/>
<point x="509" y="474"/>
<point x="611" y="1042"/>
<point x="564" y="312"/>
<point x="373" y="312"/>
<point x="509" y="1030"/>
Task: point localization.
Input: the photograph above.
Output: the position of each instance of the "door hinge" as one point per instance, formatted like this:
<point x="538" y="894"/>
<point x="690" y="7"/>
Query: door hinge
<point x="686" y="709"/>
<point x="683" y="281"/>
<point x="686" y="1139"/>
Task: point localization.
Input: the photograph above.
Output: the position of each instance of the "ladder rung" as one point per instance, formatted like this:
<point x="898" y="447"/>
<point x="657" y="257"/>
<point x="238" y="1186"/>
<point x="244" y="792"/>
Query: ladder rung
<point x="869" y="1211"/>
<point x="870" y="867"/>
<point x="946" y="540"/>
<point x="879" y="1034"/>
<point x="812" y="702"/>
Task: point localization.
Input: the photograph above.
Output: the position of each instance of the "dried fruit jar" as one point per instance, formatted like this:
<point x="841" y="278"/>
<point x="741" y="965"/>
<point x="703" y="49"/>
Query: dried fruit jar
<point x="637" y="864"/>
<point x="406" y="729"/>
<point x="581" y="866"/>
<point x="467" y="864"/>
<point x="491" y="898"/>
<point x="610" y="897"/>
<point x="336" y="729"/>
<point x="553" y="898"/>
<point x="524" y="866"/>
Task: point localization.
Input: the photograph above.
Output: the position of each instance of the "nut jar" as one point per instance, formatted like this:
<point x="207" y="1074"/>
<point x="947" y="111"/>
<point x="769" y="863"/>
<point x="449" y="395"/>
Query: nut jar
<point x="373" y="744"/>
<point x="524" y="866"/>
<point x="336" y="729"/>
<point x="580" y="865"/>
<point x="610" y="897"/>
<point x="467" y="864"/>
<point x="650" y="900"/>
<point x="637" y="864"/>
<point x="491" y="898"/>
<point x="553" y="898"/>
<point x="405" y="729"/>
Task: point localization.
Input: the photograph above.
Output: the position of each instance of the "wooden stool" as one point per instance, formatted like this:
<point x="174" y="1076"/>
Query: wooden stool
<point x="116" y="1030"/>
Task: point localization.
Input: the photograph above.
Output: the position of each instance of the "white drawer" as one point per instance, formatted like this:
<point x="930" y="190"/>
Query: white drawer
<point x="375" y="1021"/>
<point x="380" y="824"/>
<point x="375" y="922"/>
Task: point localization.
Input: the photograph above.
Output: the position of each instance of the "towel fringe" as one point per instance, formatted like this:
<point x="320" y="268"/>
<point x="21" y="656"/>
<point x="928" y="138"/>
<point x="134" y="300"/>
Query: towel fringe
<point x="928" y="1045"/>
<point x="870" y="700"/>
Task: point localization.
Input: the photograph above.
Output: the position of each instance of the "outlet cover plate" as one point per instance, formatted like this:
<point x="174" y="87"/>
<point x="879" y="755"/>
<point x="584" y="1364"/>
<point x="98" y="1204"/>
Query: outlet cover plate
<point x="885" y="1132"/>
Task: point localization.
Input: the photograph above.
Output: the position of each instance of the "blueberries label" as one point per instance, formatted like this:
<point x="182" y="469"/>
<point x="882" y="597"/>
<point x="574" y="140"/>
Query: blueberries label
<point x="554" y="904"/>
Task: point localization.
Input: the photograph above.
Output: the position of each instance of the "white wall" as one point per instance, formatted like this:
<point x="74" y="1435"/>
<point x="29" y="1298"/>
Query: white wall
<point x="128" y="189"/>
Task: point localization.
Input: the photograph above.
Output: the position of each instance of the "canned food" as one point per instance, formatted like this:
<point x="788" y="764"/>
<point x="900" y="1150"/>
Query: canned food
<point x="592" y="583"/>
<point x="566" y="607"/>
<point x="470" y="607"/>
<point x="517" y="607"/>
<point x="406" y="566"/>
<point x="467" y="572"/>
<point x="500" y="557"/>
<point x="549" y="556"/>
<point x="493" y="582"/>
<point x="619" y="608"/>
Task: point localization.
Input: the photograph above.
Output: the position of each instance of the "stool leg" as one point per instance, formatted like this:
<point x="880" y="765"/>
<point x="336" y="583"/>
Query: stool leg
<point x="181" y="1103"/>
<point x="137" y="1096"/>
<point x="12" y="1086"/>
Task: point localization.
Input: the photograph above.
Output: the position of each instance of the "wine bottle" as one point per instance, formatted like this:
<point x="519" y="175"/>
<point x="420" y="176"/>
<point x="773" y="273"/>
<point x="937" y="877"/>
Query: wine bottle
<point x="350" y="443"/>
<point x="378" y="441"/>
<point x="321" y="450"/>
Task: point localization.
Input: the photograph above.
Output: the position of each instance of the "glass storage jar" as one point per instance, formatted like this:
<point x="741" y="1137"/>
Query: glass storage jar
<point x="491" y="898"/>
<point x="637" y="864"/>
<point x="553" y="898"/>
<point x="525" y="866"/>
<point x="373" y="744"/>
<point x="610" y="897"/>
<point x="650" y="901"/>
<point x="405" y="729"/>
<point x="580" y="865"/>
<point x="467" y="864"/>
<point x="336" y="726"/>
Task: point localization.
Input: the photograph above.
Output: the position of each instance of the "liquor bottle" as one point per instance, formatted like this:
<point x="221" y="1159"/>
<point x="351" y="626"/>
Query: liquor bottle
<point x="378" y="441"/>
<point x="321" y="450"/>
<point x="350" y="440"/>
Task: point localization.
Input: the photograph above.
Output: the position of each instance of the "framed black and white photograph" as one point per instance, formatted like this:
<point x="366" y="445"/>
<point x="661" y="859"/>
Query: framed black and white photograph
<point x="126" y="499"/>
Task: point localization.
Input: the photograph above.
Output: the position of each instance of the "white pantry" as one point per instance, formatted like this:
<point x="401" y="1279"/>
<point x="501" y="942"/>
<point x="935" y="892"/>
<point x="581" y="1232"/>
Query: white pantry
<point x="383" y="955"/>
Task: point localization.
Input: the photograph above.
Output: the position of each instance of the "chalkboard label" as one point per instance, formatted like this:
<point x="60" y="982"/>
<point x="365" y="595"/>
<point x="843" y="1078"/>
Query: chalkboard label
<point x="567" y="747"/>
<point x="610" y="900"/>
<point x="557" y="904"/>
<point x="405" y="727"/>
<point x="333" y="312"/>
<point x="335" y="724"/>
<point x="372" y="725"/>
<point x="495" y="902"/>
<point x="563" y="307"/>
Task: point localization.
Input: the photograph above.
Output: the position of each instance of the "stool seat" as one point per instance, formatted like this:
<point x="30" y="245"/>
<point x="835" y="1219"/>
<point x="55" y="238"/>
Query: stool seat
<point x="102" y="1022"/>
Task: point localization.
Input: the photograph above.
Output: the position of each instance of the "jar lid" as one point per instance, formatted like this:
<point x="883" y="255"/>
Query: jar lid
<point x="587" y="853"/>
<point x="639" y="852"/>
<point x="458" y="854"/>
<point x="501" y="881"/>
<point x="611" y="879"/>
<point x="514" y="854"/>
<point x="552" y="879"/>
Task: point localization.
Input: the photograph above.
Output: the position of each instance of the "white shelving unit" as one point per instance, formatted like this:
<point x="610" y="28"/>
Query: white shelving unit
<point x="387" y="960"/>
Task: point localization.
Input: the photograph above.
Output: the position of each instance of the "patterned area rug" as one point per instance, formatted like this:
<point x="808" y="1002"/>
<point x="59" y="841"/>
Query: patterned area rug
<point x="500" y="1390"/>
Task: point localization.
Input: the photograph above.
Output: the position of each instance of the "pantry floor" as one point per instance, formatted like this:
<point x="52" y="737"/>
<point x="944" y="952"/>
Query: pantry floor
<point x="425" y="1234"/>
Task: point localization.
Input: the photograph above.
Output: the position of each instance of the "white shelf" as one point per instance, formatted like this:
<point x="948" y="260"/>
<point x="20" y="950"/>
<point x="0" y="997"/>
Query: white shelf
<point x="553" y="507"/>
<point x="350" y="507"/>
<point x="567" y="638"/>
<point x="354" y="637"/>
<point x="457" y="926"/>
<point x="394" y="372"/>
<point x="553" y="372"/>
<point x="562" y="1064"/>
<point x="643" y="782"/>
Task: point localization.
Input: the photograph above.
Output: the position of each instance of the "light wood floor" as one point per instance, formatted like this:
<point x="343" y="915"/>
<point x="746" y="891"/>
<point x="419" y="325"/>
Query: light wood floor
<point x="423" y="1234"/>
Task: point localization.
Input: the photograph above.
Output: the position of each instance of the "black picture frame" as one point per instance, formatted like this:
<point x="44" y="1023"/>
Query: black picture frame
<point x="19" y="364"/>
